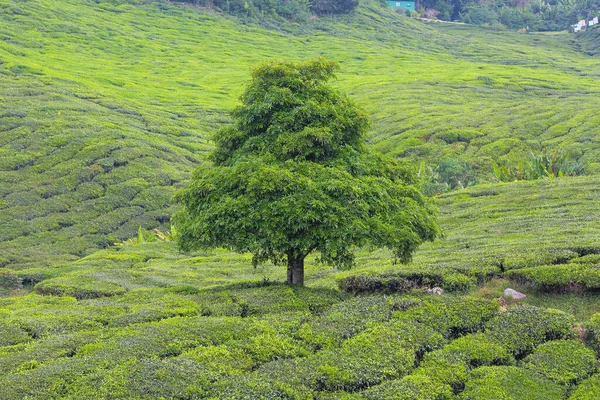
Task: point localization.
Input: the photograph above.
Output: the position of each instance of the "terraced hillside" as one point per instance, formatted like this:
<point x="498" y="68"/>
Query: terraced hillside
<point x="106" y="106"/>
<point x="143" y="321"/>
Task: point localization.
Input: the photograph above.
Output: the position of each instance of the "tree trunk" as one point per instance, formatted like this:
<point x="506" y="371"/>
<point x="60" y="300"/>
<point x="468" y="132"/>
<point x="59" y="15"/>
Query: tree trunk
<point x="295" y="271"/>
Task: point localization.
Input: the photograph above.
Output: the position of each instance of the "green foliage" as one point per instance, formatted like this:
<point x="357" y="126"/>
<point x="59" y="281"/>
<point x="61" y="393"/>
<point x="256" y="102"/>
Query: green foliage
<point x="521" y="329"/>
<point x="510" y="383"/>
<point x="451" y="364"/>
<point x="451" y="316"/>
<point x="587" y="389"/>
<point x="562" y="361"/>
<point x="412" y="387"/>
<point x="293" y="175"/>
<point x="406" y="280"/>
<point x="566" y="277"/>
<point x="544" y="164"/>
<point x="592" y="332"/>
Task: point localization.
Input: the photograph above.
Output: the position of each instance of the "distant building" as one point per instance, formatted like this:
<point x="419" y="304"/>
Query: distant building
<point x="402" y="5"/>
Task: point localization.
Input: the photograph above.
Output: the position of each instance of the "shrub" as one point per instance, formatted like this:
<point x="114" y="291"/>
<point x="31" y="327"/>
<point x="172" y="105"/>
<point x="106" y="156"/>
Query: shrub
<point x="522" y="329"/>
<point x="135" y="379"/>
<point x="411" y="387"/>
<point x="562" y="361"/>
<point x="451" y="316"/>
<point x="250" y="388"/>
<point x="11" y="334"/>
<point x="406" y="280"/>
<point x="537" y="257"/>
<point x="509" y="383"/>
<point x="344" y="320"/>
<point x="587" y="389"/>
<point x="451" y="364"/>
<point x="567" y="277"/>
<point x="78" y="286"/>
<point x="9" y="281"/>
<point x="592" y="329"/>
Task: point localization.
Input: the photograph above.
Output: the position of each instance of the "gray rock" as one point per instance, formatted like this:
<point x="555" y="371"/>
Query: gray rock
<point x="508" y="292"/>
<point x="436" y="290"/>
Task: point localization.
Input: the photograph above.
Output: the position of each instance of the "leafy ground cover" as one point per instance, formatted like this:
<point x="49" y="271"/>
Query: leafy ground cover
<point x="142" y="320"/>
<point x="107" y="105"/>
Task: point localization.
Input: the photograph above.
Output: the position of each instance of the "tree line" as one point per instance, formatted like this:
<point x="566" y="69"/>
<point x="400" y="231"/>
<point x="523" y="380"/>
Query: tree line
<point x="537" y="15"/>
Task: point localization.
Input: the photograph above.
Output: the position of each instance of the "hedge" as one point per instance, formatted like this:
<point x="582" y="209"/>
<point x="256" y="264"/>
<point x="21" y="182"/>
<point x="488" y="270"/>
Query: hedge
<point x="452" y="316"/>
<point x="451" y="364"/>
<point x="592" y="329"/>
<point x="562" y="361"/>
<point x="509" y="383"/>
<point x="587" y="389"/>
<point x="566" y="277"/>
<point x="521" y="329"/>
<point x="412" y="387"/>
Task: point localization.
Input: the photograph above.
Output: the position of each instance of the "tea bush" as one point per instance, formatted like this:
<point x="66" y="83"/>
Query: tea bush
<point x="407" y="280"/>
<point x="84" y="287"/>
<point x="451" y="364"/>
<point x="412" y="387"/>
<point x="564" y="277"/>
<point x="562" y="361"/>
<point x="587" y="389"/>
<point x="592" y="332"/>
<point x="521" y="329"/>
<point x="451" y="316"/>
<point x="511" y="383"/>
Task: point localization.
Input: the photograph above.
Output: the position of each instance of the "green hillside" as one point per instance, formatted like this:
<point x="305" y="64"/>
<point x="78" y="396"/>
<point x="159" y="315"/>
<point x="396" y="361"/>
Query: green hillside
<point x="106" y="106"/>
<point x="143" y="321"/>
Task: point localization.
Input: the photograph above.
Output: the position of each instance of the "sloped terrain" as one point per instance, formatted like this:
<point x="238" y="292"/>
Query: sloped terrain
<point x="144" y="321"/>
<point x="107" y="106"/>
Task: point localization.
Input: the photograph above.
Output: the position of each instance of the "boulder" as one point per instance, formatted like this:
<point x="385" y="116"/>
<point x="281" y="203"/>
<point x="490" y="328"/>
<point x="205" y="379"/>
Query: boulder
<point x="508" y="292"/>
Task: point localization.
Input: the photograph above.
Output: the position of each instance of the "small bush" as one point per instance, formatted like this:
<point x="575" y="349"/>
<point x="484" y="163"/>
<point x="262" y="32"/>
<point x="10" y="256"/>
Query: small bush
<point x="592" y="332"/>
<point x="344" y="320"/>
<point x="412" y="387"/>
<point x="562" y="361"/>
<point x="587" y="389"/>
<point x="509" y="383"/>
<point x="9" y="281"/>
<point x="11" y="334"/>
<point x="249" y="388"/>
<point x="522" y="329"/>
<point x="406" y="280"/>
<point x="451" y="364"/>
<point x="567" y="277"/>
<point x="80" y="287"/>
<point x="453" y="317"/>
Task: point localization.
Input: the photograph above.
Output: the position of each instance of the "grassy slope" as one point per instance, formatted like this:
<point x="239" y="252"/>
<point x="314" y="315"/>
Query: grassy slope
<point x="106" y="108"/>
<point x="173" y="323"/>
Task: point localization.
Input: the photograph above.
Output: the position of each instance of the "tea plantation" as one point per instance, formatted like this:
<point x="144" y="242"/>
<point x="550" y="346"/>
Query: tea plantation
<point x="107" y="106"/>
<point x="142" y="320"/>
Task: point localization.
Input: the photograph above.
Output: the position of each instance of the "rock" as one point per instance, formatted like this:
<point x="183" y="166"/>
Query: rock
<point x="436" y="290"/>
<point x="508" y="292"/>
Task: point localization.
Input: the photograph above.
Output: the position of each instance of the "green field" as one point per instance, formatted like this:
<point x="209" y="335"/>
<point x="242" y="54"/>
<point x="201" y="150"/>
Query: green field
<point x="107" y="106"/>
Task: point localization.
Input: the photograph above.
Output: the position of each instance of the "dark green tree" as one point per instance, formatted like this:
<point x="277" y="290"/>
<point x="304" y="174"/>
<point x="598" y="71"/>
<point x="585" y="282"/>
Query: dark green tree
<point x="293" y="176"/>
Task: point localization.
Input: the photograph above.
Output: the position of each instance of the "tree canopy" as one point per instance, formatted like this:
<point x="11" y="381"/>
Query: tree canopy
<point x="293" y="176"/>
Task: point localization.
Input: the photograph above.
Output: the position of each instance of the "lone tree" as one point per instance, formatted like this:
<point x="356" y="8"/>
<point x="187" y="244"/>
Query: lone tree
<point x="293" y="176"/>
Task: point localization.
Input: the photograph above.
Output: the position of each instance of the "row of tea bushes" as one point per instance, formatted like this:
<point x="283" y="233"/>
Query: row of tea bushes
<point x="564" y="277"/>
<point x="422" y="346"/>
